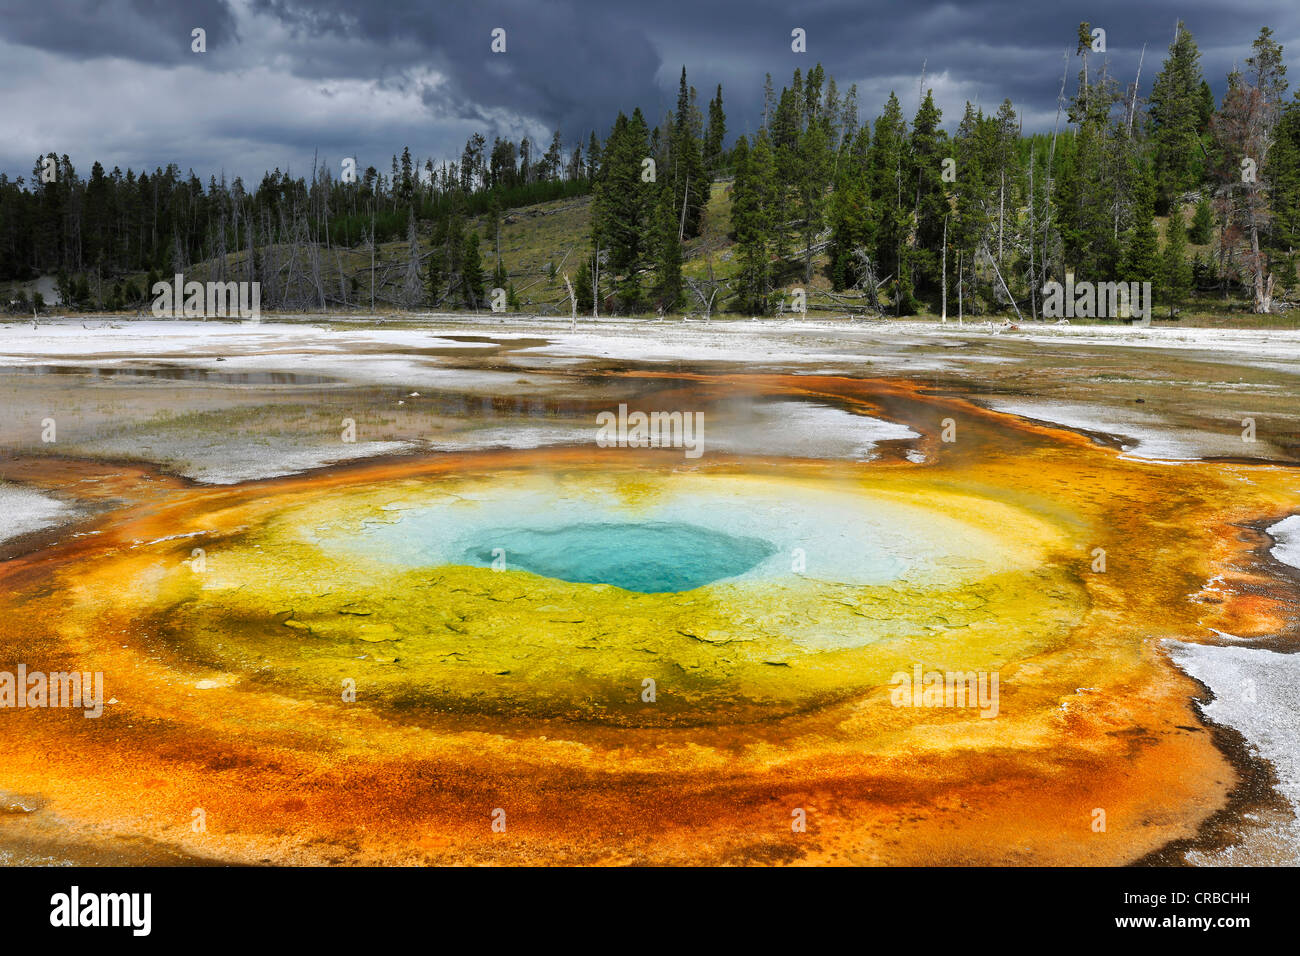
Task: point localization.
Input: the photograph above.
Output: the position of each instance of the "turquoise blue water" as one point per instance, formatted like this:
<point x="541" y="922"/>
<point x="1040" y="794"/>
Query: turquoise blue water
<point x="666" y="542"/>
<point x="650" y="557"/>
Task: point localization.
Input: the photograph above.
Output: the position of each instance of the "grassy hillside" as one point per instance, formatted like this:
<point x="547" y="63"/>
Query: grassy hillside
<point x="541" y="243"/>
<point x="538" y="243"/>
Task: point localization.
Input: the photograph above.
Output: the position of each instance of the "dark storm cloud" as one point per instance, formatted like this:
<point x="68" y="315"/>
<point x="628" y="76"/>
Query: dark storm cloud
<point x="150" y="30"/>
<point x="575" y="64"/>
<point x="567" y="64"/>
<point x="571" y="64"/>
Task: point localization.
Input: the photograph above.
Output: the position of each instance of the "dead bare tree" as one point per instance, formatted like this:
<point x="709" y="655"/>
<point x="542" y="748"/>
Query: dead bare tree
<point x="573" y="301"/>
<point x="960" y="315"/>
<point x="944" y="270"/>
<point x="1033" y="238"/>
<point x="343" y="279"/>
<point x="998" y="272"/>
<point x="867" y="282"/>
<point x="412" y="287"/>
<point x="219" y="249"/>
<point x="1132" y="106"/>
<point x="1051" y="155"/>
<point x="314" y="257"/>
<point x="681" y="228"/>
<point x="706" y="290"/>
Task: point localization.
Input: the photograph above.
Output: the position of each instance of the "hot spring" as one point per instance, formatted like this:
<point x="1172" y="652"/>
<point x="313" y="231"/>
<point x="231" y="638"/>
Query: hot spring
<point x="643" y="659"/>
<point x="650" y="557"/>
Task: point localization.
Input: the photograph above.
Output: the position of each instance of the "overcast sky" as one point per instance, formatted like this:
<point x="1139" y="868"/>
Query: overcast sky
<point x="116" y="80"/>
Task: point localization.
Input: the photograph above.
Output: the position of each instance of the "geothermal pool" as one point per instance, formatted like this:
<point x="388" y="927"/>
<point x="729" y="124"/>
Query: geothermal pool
<point x="360" y="651"/>
<point x="658" y="533"/>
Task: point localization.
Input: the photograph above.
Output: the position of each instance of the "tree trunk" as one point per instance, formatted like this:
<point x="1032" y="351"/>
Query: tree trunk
<point x="1010" y="298"/>
<point x="1263" y="283"/>
<point x="1051" y="155"/>
<point x="573" y="301"/>
<point x="1033" y="275"/>
<point x="945" y="270"/>
<point x="959" y="282"/>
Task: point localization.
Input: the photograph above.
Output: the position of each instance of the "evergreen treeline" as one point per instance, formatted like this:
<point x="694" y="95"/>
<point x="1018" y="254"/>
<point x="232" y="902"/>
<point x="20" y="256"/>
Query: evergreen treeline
<point x="904" y="215"/>
<point x="110" y="224"/>
<point x="891" y="215"/>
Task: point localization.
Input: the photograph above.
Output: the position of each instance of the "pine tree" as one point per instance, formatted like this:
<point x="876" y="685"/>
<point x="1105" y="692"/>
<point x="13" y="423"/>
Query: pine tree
<point x="623" y="206"/>
<point x="1089" y="190"/>
<point x="812" y="95"/>
<point x="593" y="156"/>
<point x="1176" y="273"/>
<point x="1142" y="253"/>
<point x="752" y="207"/>
<point x="717" y="132"/>
<point x="1174" y="118"/>
<point x="852" y="221"/>
<point x="472" y="272"/>
<point x="444" y="272"/>
<point x="885" y="178"/>
<point x="691" y="182"/>
<point x="668" y="252"/>
<point x="406" y="185"/>
<point x="1284" y="172"/>
<point x="552" y="161"/>
<point x="784" y="143"/>
<point x="928" y="149"/>
<point x="1204" y="109"/>
<point x="814" y="179"/>
<point x="1004" y="177"/>
<point x="582" y="286"/>
<point x="1202" y="222"/>
<point x="968" y="229"/>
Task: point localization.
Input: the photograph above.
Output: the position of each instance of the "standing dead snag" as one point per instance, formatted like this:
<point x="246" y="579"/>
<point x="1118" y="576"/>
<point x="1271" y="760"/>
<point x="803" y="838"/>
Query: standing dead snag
<point x="1010" y="297"/>
<point x="573" y="301"/>
<point x="413" y="287"/>
<point x="707" y="290"/>
<point x="944" y="269"/>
